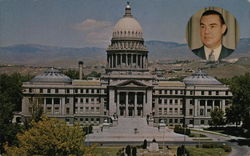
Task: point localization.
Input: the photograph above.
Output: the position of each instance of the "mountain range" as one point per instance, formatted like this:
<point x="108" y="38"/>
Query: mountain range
<point x="34" y="54"/>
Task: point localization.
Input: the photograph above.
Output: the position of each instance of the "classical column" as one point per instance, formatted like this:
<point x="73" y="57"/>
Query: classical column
<point x="220" y="104"/>
<point x="136" y="104"/>
<point x="118" y="103"/>
<point x="126" y="60"/>
<point x="144" y="105"/>
<point x="223" y="103"/>
<point x="52" y="106"/>
<point x="196" y="108"/>
<point x="143" y="61"/>
<point x="205" y="109"/>
<point x="116" y="62"/>
<point x="120" y="60"/>
<point x="44" y="105"/>
<point x="110" y="61"/>
<point x="136" y="58"/>
<point x="126" y="103"/>
<point x="63" y="106"/>
<point x="213" y="104"/>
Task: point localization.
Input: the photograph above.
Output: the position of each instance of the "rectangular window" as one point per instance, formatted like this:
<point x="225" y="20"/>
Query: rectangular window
<point x="48" y="100"/>
<point x="81" y="90"/>
<point x="191" y="102"/>
<point x="217" y="92"/>
<point x="67" y="91"/>
<point x="56" y="90"/>
<point x="176" y="110"/>
<point x="202" y="122"/>
<point x="201" y="111"/>
<point x="159" y="100"/>
<point x="190" y="111"/>
<point x="41" y="90"/>
<point x="48" y="91"/>
<point x="87" y="90"/>
<point x="165" y="110"/>
<point x="176" y="91"/>
<point x="66" y="100"/>
<point x="67" y="110"/>
<point x="209" y="92"/>
<point x="170" y="110"/>
<point x="202" y="92"/>
<point x="56" y="100"/>
<point x="175" y="120"/>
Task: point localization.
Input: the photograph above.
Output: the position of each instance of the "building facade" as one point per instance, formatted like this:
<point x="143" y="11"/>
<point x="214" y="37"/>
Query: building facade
<point x="127" y="89"/>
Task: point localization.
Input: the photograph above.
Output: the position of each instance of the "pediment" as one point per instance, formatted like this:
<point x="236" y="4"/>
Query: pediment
<point x="131" y="83"/>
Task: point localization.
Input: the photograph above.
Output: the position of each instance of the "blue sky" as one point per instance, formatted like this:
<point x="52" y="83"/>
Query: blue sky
<point x="87" y="23"/>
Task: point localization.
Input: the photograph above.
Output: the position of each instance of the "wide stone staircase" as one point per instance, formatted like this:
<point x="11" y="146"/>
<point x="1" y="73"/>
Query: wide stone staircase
<point x="132" y="129"/>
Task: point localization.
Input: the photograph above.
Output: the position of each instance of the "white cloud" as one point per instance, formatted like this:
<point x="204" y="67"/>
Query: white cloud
<point x="91" y="25"/>
<point x="95" y="33"/>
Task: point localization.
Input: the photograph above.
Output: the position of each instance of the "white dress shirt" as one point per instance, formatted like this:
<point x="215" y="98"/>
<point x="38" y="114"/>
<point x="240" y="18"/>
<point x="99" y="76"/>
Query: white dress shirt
<point x="217" y="52"/>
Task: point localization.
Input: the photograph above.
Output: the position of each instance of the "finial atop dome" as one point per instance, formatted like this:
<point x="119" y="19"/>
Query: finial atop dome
<point x="128" y="11"/>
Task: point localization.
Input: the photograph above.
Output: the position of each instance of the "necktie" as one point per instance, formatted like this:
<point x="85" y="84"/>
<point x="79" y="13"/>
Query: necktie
<point x="211" y="56"/>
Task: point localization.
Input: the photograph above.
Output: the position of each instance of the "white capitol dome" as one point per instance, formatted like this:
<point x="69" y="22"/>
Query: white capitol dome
<point x="127" y="26"/>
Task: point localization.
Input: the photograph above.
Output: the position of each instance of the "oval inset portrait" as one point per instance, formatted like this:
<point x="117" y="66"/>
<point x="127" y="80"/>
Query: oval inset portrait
<point x="212" y="34"/>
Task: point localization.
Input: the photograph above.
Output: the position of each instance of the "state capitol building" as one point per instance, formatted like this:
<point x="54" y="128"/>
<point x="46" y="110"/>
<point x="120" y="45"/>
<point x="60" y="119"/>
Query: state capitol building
<point x="127" y="89"/>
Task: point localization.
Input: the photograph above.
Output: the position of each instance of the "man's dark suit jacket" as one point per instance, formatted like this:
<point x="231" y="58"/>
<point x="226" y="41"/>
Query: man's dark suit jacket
<point x="224" y="52"/>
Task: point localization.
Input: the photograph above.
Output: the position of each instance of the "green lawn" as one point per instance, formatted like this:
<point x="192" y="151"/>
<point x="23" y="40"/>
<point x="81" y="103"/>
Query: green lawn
<point x="106" y="151"/>
<point x="206" y="151"/>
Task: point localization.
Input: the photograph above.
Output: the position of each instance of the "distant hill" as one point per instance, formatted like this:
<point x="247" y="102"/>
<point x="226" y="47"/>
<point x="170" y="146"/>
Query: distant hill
<point x="67" y="56"/>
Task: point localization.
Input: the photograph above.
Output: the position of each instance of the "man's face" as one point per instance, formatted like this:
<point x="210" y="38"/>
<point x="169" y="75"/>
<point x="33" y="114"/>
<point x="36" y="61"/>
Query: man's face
<point x="211" y="31"/>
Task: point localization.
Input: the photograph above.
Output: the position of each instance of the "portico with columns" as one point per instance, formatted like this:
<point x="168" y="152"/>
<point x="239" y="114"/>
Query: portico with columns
<point x="130" y="99"/>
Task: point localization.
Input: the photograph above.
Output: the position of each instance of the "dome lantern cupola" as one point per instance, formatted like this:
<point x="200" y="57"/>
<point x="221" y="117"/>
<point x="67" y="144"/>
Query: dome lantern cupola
<point x="128" y="11"/>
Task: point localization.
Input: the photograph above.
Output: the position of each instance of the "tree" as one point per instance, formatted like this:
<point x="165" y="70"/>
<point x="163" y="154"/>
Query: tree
<point x="217" y="117"/>
<point x="49" y="137"/>
<point x="233" y="115"/>
<point x="128" y="150"/>
<point x="145" y="144"/>
<point x="134" y="151"/>
<point x="240" y="87"/>
<point x="73" y="74"/>
<point x="10" y="101"/>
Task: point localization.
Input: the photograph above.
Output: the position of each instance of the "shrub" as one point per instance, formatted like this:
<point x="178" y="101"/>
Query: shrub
<point x="181" y="150"/>
<point x="145" y="144"/>
<point x="134" y="151"/>
<point x="128" y="150"/>
<point x="227" y="148"/>
<point x="181" y="130"/>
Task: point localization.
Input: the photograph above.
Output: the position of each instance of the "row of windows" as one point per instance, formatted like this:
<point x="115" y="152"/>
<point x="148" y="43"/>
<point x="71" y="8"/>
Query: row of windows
<point x="172" y="121"/>
<point x="169" y="101"/>
<point x="168" y="92"/>
<point x="56" y="90"/>
<point x="165" y="111"/>
<point x="85" y="119"/>
<point x="207" y="92"/>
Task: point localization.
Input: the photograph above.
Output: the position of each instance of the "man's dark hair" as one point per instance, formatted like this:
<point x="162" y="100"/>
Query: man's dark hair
<point x="213" y="12"/>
